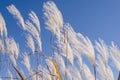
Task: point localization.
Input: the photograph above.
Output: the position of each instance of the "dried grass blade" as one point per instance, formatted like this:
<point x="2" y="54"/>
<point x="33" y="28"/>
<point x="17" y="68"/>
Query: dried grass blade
<point x="56" y="68"/>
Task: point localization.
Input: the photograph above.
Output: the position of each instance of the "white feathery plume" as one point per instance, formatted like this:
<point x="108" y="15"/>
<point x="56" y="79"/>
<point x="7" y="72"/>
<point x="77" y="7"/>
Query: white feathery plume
<point x="2" y="49"/>
<point x="110" y="75"/>
<point x="13" y="60"/>
<point x="115" y="56"/>
<point x="73" y="42"/>
<point x="102" y="48"/>
<point x="26" y="61"/>
<point x="12" y="47"/>
<point x="68" y="52"/>
<point x="70" y="55"/>
<point x="7" y="42"/>
<point x="74" y="73"/>
<point x="54" y="21"/>
<point x="80" y="44"/>
<point x="33" y="31"/>
<point x="44" y="73"/>
<point x="30" y="43"/>
<point x="32" y="73"/>
<point x="80" y="62"/>
<point x="33" y="17"/>
<point x="105" y="72"/>
<point x="68" y="74"/>
<point x="60" y="60"/>
<point x="15" y="47"/>
<point x="60" y="42"/>
<point x="51" y="67"/>
<point x="88" y="75"/>
<point x="71" y="35"/>
<point x="53" y="17"/>
<point x="101" y="68"/>
<point x="72" y="38"/>
<point x="61" y="64"/>
<point x="3" y="29"/>
<point x="15" y="12"/>
<point x="86" y="47"/>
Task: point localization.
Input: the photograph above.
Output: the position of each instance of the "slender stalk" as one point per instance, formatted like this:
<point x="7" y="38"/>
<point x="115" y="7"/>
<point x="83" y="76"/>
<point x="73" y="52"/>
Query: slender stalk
<point x="20" y="74"/>
<point x="94" y="71"/>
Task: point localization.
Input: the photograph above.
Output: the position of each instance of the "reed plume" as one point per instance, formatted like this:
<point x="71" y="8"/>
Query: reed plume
<point x="3" y="29"/>
<point x="16" y="14"/>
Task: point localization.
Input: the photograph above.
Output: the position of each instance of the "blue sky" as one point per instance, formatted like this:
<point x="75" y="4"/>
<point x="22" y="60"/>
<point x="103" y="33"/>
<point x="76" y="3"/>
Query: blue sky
<point x="93" y="18"/>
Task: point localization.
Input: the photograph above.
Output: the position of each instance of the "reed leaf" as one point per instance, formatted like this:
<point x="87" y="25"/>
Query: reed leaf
<point x="56" y="68"/>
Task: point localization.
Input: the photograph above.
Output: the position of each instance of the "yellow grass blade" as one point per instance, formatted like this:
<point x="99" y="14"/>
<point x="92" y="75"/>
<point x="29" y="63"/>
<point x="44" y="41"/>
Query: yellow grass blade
<point x="56" y="68"/>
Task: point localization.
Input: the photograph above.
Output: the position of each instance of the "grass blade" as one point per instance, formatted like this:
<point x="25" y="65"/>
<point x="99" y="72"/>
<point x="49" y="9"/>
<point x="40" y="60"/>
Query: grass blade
<point x="56" y="68"/>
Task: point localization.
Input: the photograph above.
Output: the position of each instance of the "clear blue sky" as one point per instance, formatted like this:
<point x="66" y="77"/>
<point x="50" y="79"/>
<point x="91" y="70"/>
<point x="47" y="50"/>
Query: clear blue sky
<point x="93" y="18"/>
